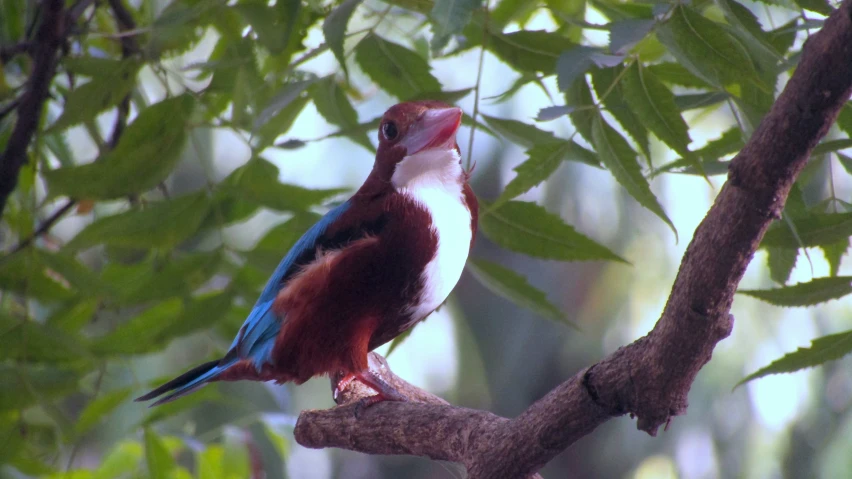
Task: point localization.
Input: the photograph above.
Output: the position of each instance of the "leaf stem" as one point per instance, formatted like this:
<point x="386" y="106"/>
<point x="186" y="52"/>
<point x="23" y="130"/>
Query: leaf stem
<point x="477" y="87"/>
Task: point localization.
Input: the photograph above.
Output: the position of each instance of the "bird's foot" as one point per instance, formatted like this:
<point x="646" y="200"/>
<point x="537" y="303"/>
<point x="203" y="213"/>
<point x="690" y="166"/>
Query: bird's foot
<point x="385" y="392"/>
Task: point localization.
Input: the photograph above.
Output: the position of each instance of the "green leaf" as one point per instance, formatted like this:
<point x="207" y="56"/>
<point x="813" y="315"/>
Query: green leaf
<point x="121" y="461"/>
<point x="334" y="29"/>
<point x="257" y="181"/>
<point x="620" y="159"/>
<point x="816" y="291"/>
<point x="781" y="262"/>
<point x="676" y="74"/>
<point x="528" y="228"/>
<point x="518" y="132"/>
<point x="530" y="50"/>
<point x="834" y="254"/>
<point x="26" y="275"/>
<point x="822" y="350"/>
<point x="608" y="87"/>
<point x="176" y="278"/>
<point x="140" y="334"/>
<point x="333" y="104"/>
<point x="162" y="224"/>
<point x="514" y="287"/>
<point x="542" y="162"/>
<point x="699" y="100"/>
<point x="105" y="90"/>
<point x="580" y="97"/>
<point x="283" y="98"/>
<point x="397" y="341"/>
<point x="201" y="313"/>
<point x="23" y="385"/>
<point x="652" y="101"/>
<point x="148" y="151"/>
<point x="820" y="6"/>
<point x="396" y="69"/>
<point x="26" y="340"/>
<point x="158" y="459"/>
<point x="813" y="230"/>
<point x="577" y="61"/>
<point x="705" y="48"/>
<point x="100" y="407"/>
<point x="74" y="315"/>
<point x="831" y="146"/>
<point x="844" y="119"/>
<point x="449" y="17"/>
<point x="624" y="34"/>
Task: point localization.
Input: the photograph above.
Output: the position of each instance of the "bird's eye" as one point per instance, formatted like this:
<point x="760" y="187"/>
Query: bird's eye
<point x="389" y="130"/>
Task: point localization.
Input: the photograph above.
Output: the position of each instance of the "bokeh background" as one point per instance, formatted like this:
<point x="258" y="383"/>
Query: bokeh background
<point x="480" y="350"/>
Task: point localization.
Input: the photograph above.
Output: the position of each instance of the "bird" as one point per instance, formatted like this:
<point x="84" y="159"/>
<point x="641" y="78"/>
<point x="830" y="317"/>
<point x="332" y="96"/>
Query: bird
<point x="367" y="271"/>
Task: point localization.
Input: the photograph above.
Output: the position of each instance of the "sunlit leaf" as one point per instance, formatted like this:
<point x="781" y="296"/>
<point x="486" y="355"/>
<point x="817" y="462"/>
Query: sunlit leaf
<point x="146" y="154"/>
<point x="398" y="70"/>
<point x="530" y="229"/>
<point x="620" y="159"/>
<point x="822" y="350"/>
<point x="514" y="287"/>
<point x="162" y="224"/>
<point x="834" y="253"/>
<point x="120" y="461"/>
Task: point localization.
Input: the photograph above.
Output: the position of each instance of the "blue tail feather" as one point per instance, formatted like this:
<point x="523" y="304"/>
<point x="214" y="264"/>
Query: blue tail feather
<point x="187" y="382"/>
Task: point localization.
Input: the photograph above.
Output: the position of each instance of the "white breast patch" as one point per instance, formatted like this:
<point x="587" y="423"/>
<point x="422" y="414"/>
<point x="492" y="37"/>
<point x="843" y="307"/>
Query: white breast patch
<point x="434" y="179"/>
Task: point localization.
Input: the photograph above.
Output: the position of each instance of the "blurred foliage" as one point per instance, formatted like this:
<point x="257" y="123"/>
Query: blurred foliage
<point x="150" y="266"/>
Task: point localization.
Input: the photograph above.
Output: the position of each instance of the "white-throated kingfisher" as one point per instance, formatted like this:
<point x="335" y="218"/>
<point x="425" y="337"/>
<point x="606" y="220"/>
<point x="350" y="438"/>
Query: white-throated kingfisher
<point x="367" y="271"/>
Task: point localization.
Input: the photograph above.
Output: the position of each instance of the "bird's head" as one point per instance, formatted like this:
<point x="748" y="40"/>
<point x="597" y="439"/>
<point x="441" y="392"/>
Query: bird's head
<point x="417" y="141"/>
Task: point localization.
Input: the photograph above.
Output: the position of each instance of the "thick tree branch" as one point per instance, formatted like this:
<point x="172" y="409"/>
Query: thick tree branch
<point x="47" y="42"/>
<point x="651" y="377"/>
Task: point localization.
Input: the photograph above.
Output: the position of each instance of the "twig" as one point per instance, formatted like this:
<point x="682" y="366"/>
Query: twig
<point x="48" y="40"/>
<point x="43" y="228"/>
<point x="650" y="378"/>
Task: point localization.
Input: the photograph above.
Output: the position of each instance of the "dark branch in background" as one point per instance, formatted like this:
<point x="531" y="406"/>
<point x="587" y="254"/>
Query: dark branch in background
<point x="11" y="51"/>
<point x="47" y="41"/>
<point x="651" y="377"/>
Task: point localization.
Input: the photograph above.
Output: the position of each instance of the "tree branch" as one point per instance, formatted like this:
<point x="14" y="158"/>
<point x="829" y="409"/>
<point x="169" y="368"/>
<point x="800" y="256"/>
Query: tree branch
<point x="47" y="42"/>
<point x="651" y="377"/>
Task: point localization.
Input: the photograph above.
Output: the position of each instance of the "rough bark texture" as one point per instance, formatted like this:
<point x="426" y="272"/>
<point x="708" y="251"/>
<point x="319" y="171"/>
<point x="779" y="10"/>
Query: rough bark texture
<point x="651" y="377"/>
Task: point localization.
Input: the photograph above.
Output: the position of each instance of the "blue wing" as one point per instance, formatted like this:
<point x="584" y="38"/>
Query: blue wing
<point x="257" y="335"/>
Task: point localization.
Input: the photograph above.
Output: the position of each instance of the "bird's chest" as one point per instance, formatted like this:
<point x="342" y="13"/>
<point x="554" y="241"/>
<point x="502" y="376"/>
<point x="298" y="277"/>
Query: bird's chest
<point x="450" y="224"/>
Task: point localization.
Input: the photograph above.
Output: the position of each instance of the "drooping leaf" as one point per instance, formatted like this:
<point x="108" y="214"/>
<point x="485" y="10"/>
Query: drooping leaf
<point x="609" y="86"/>
<point x="834" y="254"/>
<point x="334" y="29"/>
<point x="98" y="408"/>
<point x="542" y="161"/>
<point x="580" y="97"/>
<point x="813" y="230"/>
<point x="106" y="89"/>
<point x="705" y="48"/>
<point x="145" y="155"/>
<point x="692" y="101"/>
<point x="818" y="290"/>
<point x="162" y="224"/>
<point x="449" y="17"/>
<point x="518" y="132"/>
<point x="158" y="459"/>
<point x="620" y="159"/>
<point x="257" y="181"/>
<point x="652" y="101"/>
<point x="334" y="105"/>
<point x="831" y="146"/>
<point x="280" y="123"/>
<point x="514" y="287"/>
<point x="530" y="229"/>
<point x="781" y="262"/>
<point x="396" y="69"/>
<point x="822" y="350"/>
<point x="281" y="100"/>
<point x="676" y="74"/>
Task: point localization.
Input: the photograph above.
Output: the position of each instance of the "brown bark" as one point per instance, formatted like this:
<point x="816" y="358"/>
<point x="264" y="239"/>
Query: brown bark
<point x="650" y="378"/>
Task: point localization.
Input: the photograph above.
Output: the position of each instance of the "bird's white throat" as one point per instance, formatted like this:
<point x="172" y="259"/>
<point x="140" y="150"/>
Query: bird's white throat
<point x="435" y="179"/>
